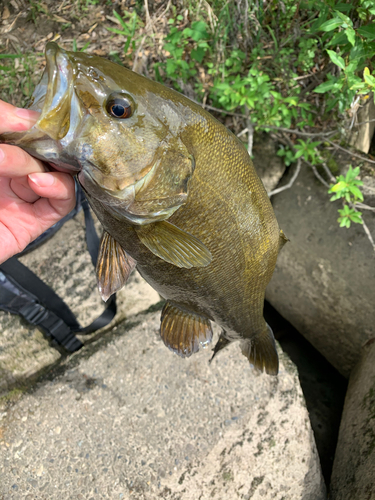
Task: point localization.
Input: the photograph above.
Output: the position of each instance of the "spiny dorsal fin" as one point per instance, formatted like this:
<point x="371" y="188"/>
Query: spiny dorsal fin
<point x="282" y="239"/>
<point x="261" y="351"/>
<point x="174" y="245"/>
<point x="113" y="267"/>
<point x="183" y="331"/>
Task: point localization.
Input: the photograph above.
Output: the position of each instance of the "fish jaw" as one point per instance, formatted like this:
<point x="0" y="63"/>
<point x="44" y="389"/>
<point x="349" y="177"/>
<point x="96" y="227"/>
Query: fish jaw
<point x="60" y="115"/>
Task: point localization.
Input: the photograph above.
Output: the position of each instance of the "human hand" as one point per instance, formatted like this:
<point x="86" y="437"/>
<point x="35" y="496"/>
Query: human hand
<point x="32" y="199"/>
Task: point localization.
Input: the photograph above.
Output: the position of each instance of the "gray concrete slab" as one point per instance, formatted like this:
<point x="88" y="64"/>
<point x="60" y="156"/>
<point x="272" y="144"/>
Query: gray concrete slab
<point x="353" y="474"/>
<point x="128" y="419"/>
<point x="63" y="262"/>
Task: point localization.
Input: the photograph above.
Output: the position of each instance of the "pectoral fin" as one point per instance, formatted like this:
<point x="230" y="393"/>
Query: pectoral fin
<point x="184" y="331"/>
<point x="113" y="267"/>
<point x="261" y="351"/>
<point x="174" y="245"/>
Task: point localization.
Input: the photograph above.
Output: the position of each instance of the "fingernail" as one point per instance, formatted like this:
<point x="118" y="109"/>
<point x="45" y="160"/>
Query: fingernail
<point x="27" y="114"/>
<point x="2" y="155"/>
<point x="42" y="179"/>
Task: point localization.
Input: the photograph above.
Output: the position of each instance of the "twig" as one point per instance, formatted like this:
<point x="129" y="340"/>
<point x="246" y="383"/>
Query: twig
<point x="250" y="132"/>
<point x="369" y="236"/>
<point x="331" y="177"/>
<point x="365" y="227"/>
<point x="362" y="123"/>
<point x="297" y="132"/>
<point x="363" y="206"/>
<point x="303" y="76"/>
<point x="244" y="131"/>
<point x="290" y="183"/>
<point x="164" y="12"/>
<point x="149" y="23"/>
<point x="350" y="152"/>
<point x="317" y="174"/>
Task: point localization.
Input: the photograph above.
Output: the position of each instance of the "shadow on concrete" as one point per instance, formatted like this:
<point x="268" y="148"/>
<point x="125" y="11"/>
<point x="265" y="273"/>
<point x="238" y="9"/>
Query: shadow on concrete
<point x="323" y="386"/>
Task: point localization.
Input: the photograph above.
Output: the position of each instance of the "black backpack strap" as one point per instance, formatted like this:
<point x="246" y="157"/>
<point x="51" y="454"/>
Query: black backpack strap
<point x="22" y="292"/>
<point x="17" y="299"/>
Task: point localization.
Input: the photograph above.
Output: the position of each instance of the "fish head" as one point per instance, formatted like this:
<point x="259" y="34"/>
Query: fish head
<point x="118" y="131"/>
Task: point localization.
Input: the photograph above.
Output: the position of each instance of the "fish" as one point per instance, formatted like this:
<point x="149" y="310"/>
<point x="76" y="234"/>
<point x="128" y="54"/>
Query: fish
<point x="176" y="193"/>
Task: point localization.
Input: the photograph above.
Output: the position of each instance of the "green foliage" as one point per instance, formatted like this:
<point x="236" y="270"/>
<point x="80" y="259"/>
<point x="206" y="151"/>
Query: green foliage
<point x="186" y="48"/>
<point x="130" y="24"/>
<point x="349" y="215"/>
<point x="347" y="189"/>
<point x="17" y="71"/>
<point x="251" y="63"/>
<point x="355" y="48"/>
<point x="308" y="150"/>
<point x="287" y="154"/>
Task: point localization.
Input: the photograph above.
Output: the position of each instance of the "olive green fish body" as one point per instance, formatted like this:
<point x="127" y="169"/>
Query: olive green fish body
<point x="230" y="212"/>
<point x="176" y="193"/>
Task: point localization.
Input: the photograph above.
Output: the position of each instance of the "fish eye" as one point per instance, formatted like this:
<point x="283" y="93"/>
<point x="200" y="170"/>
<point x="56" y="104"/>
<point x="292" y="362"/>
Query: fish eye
<point x="120" y="106"/>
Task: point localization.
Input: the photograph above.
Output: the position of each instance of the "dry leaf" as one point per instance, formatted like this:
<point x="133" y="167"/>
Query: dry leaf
<point x="6" y="13"/>
<point x="60" y="19"/>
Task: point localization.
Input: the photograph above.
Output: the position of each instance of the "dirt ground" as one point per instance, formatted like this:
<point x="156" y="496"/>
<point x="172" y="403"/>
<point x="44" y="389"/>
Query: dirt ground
<point x="26" y="27"/>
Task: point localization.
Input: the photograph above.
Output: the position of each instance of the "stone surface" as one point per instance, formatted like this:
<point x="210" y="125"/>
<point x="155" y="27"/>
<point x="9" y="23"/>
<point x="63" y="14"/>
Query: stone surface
<point x="64" y="263"/>
<point x="353" y="473"/>
<point x="128" y="419"/>
<point x="268" y="165"/>
<point x="324" y="282"/>
<point x="362" y="134"/>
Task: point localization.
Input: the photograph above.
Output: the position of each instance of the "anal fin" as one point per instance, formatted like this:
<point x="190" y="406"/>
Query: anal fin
<point x="184" y="331"/>
<point x="174" y="245"/>
<point x="113" y="267"/>
<point x="261" y="352"/>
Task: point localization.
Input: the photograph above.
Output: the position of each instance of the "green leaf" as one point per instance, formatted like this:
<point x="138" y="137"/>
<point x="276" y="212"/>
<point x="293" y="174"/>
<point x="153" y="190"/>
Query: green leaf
<point x="344" y="18"/>
<point x="299" y="153"/>
<point x="367" y="31"/>
<point x="198" y="54"/>
<point x="338" y="187"/>
<point x="369" y="79"/>
<point x="356" y="192"/>
<point x="331" y="24"/>
<point x="325" y="86"/>
<point x="350" y="34"/>
<point x="336" y="59"/>
<point x="339" y="38"/>
<point x="10" y="56"/>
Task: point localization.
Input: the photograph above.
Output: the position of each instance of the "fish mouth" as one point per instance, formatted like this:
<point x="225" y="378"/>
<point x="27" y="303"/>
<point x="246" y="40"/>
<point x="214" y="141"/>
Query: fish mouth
<point x="60" y="114"/>
<point x="55" y="94"/>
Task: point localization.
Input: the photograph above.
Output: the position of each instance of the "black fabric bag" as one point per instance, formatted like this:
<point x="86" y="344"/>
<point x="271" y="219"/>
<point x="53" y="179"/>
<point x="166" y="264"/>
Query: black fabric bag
<point x="23" y="293"/>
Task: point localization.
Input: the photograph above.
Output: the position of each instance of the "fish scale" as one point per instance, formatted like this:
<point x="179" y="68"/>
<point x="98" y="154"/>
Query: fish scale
<point x="176" y="193"/>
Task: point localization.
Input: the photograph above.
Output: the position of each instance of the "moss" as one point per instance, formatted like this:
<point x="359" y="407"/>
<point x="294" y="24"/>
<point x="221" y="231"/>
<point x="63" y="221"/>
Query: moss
<point x="228" y="475"/>
<point x="12" y="396"/>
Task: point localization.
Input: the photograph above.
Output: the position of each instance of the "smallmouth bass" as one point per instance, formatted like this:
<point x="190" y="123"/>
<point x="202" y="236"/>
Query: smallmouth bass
<point x="176" y="193"/>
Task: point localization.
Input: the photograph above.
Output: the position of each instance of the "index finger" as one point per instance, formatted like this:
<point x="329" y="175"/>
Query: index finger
<point x="16" y="119"/>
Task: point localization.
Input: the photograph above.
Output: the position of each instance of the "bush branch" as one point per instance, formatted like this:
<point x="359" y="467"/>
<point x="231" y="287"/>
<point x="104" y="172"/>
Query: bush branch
<point x="290" y="183"/>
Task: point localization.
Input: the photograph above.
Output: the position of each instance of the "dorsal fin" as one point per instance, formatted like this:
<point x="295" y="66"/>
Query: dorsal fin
<point x="113" y="267"/>
<point x="282" y="239"/>
<point x="174" y="245"/>
<point x="184" y="331"/>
